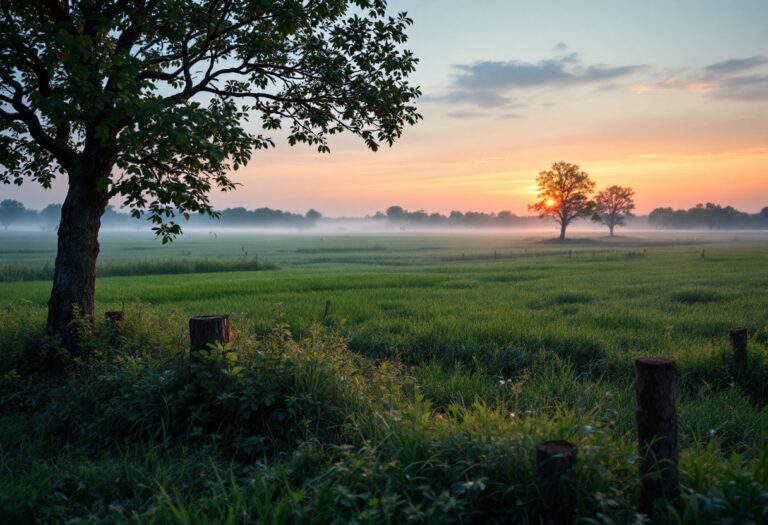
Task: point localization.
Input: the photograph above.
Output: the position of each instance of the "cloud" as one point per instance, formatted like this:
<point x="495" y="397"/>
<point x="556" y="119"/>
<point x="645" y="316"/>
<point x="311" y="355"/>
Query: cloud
<point x="746" y="88"/>
<point x="491" y="75"/>
<point x="488" y="84"/>
<point x="467" y="114"/>
<point x="479" y="98"/>
<point x="735" y="65"/>
<point x="720" y="80"/>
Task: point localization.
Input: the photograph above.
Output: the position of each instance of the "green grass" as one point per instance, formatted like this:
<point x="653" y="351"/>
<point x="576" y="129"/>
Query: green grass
<point x="454" y="356"/>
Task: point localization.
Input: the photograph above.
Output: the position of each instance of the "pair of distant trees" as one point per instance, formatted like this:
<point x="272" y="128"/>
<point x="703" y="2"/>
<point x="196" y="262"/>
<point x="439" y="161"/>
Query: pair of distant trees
<point x="565" y="195"/>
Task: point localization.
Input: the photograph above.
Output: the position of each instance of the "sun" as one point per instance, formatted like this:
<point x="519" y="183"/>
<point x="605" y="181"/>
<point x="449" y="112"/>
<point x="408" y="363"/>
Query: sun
<point x="550" y="202"/>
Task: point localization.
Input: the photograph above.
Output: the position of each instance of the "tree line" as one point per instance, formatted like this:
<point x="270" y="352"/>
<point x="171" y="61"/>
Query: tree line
<point x="702" y="216"/>
<point x="14" y="212"/>
<point x="708" y="216"/>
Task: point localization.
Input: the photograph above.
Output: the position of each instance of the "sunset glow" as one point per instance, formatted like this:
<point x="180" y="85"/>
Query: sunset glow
<point x="642" y="99"/>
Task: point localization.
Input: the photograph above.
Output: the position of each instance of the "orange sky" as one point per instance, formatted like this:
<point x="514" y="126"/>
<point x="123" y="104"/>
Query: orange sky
<point x="670" y="98"/>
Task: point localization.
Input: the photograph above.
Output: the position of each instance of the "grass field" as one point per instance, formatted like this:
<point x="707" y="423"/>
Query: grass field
<point x="465" y="350"/>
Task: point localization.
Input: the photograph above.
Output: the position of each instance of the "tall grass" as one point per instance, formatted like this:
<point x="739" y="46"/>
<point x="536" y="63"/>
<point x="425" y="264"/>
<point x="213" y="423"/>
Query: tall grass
<point x="420" y="400"/>
<point x="170" y="266"/>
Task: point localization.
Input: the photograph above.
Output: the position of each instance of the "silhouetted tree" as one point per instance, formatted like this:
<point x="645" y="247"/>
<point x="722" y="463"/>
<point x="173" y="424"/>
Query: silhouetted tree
<point x="50" y="216"/>
<point x="162" y="90"/>
<point x="395" y="213"/>
<point x="564" y="192"/>
<point x="613" y="205"/>
<point x="11" y="211"/>
<point x="314" y="215"/>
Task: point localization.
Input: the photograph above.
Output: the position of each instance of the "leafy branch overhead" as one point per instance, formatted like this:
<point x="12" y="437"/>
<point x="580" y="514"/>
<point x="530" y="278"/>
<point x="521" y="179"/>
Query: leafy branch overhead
<point x="150" y="100"/>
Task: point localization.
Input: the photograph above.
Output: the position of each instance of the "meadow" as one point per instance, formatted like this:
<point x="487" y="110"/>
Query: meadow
<point x="419" y="398"/>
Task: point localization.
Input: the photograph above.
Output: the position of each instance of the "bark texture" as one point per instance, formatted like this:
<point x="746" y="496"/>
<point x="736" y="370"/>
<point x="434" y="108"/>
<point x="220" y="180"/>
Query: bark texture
<point x="656" y="431"/>
<point x="206" y="330"/>
<point x="74" y="278"/>
<point x="554" y="462"/>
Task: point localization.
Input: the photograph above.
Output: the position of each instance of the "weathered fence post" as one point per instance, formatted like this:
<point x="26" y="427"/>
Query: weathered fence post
<point x="739" y="338"/>
<point x="113" y="318"/>
<point x="207" y="329"/>
<point x="554" y="462"/>
<point x="327" y="311"/>
<point x="656" y="430"/>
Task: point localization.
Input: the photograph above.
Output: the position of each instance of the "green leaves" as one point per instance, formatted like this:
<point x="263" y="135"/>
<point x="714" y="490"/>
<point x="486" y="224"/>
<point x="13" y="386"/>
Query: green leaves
<point x="160" y="93"/>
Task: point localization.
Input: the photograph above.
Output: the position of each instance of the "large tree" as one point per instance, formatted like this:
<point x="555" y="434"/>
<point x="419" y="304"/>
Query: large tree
<point x="613" y="205"/>
<point x="564" y="192"/>
<point x="148" y="102"/>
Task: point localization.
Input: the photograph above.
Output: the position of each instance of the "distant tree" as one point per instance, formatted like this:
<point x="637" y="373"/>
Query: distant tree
<point x="149" y="102"/>
<point x="314" y="215"/>
<point x="50" y="216"/>
<point x="395" y="213"/>
<point x="613" y="205"/>
<point x="564" y="192"/>
<point x="10" y="212"/>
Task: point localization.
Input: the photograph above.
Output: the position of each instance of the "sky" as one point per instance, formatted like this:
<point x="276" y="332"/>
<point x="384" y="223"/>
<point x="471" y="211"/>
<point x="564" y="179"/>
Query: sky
<point x="670" y="98"/>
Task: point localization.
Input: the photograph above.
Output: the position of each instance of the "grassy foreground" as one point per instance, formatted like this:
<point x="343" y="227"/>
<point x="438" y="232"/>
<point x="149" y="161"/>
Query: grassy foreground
<point x="420" y="399"/>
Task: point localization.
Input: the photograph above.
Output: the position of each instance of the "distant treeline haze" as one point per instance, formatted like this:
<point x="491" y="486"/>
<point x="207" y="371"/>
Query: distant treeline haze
<point x="702" y="216"/>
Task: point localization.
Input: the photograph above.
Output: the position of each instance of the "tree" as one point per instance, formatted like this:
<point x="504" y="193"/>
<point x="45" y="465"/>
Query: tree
<point x="148" y="101"/>
<point x="395" y="213"/>
<point x="613" y="205"/>
<point x="50" y="216"/>
<point x="313" y="215"/>
<point x="10" y="212"/>
<point x="564" y="192"/>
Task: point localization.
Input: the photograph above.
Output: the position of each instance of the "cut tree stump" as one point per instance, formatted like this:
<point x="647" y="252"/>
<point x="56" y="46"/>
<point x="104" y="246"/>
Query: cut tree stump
<point x="114" y="317"/>
<point x="554" y="462"/>
<point x="656" y="431"/>
<point x="205" y="330"/>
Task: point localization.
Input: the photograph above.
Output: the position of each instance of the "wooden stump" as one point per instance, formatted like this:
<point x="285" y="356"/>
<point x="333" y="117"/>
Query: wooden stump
<point x="114" y="317"/>
<point x="656" y="431"/>
<point x="739" y="337"/>
<point x="554" y="462"/>
<point x="206" y="330"/>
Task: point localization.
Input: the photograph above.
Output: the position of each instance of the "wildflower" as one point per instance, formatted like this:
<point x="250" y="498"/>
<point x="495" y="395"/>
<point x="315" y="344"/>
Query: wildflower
<point x="512" y="415"/>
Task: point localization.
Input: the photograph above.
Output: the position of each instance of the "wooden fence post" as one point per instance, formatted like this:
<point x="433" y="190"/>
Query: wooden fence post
<point x="205" y="330"/>
<point x="656" y="431"/>
<point x="114" y="318"/>
<point x="739" y="338"/>
<point x="327" y="310"/>
<point x="554" y="462"/>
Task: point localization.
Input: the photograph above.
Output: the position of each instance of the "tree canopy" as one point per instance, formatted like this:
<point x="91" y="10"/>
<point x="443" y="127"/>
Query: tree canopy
<point x="613" y="205"/>
<point x="164" y="90"/>
<point x="563" y="194"/>
<point x="10" y="212"/>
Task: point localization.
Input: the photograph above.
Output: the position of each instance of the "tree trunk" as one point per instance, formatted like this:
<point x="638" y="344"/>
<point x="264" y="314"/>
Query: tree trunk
<point x="74" y="276"/>
<point x="563" y="226"/>
<point x="610" y="227"/>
